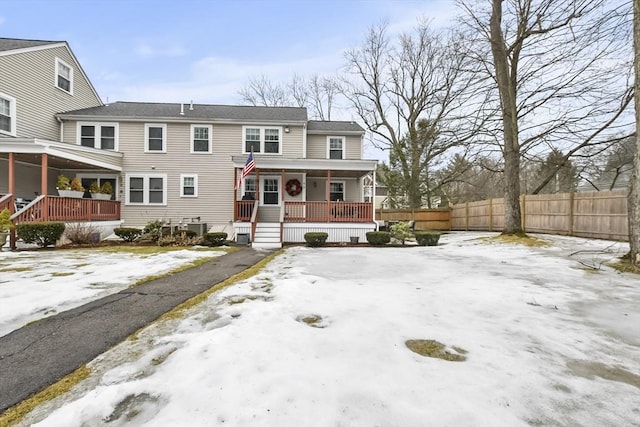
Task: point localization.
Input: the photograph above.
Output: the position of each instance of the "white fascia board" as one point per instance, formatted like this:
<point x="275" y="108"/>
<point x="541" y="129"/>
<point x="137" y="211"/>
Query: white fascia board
<point x="79" y="148"/>
<point x="32" y="49"/>
<point x="307" y="164"/>
<point x="70" y="156"/>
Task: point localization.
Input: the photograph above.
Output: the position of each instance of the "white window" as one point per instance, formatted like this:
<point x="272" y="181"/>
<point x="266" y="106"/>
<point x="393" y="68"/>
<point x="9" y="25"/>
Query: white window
<point x="201" y="138"/>
<point x="64" y="76"/>
<point x="335" y="147"/>
<point x="146" y="189"/>
<point x="271" y="191"/>
<point x="249" y="189"/>
<point x="188" y="185"/>
<point x="260" y="139"/>
<point x="155" y="138"/>
<point x="336" y="191"/>
<point x="7" y="115"/>
<point x="98" y="135"/>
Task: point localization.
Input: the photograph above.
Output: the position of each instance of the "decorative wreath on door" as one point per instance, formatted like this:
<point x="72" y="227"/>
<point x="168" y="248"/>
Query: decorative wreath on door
<point x="294" y="187"/>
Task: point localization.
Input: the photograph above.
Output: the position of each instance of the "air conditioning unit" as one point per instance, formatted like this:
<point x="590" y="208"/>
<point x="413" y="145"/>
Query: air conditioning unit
<point x="199" y="227"/>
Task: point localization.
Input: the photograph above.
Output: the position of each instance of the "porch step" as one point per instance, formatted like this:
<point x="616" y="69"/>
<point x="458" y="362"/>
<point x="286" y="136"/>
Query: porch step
<point x="267" y="236"/>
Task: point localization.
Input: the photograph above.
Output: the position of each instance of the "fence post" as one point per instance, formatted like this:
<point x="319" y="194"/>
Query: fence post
<point x="490" y="214"/>
<point x="571" y="196"/>
<point x="466" y="216"/>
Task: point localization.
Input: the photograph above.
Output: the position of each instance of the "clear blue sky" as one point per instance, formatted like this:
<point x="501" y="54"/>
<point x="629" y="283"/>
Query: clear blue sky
<point x="175" y="51"/>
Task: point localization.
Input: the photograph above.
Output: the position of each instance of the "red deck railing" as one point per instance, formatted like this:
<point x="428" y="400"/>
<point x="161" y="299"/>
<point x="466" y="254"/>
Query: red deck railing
<point x="315" y="211"/>
<point x="67" y="209"/>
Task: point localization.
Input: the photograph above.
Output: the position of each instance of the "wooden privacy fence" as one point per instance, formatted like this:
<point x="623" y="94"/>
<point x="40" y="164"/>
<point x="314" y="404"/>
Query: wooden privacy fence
<point x="425" y="219"/>
<point x="601" y="215"/>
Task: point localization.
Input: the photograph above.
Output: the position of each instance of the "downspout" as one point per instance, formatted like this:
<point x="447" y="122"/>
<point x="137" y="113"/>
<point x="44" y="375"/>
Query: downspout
<point x="61" y="128"/>
<point x="304" y="141"/>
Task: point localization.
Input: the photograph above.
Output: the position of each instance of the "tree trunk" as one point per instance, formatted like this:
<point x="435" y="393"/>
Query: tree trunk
<point x="511" y="149"/>
<point x="634" y="192"/>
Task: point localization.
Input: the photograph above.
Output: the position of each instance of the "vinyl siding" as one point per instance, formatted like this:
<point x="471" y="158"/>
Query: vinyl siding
<point x="317" y="147"/>
<point x="30" y="78"/>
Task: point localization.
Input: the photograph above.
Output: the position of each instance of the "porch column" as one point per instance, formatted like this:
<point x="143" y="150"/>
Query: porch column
<point x="44" y="168"/>
<point x="328" y="195"/>
<point x="12" y="190"/>
<point x="373" y="198"/>
<point x="235" y="194"/>
<point x="282" y="186"/>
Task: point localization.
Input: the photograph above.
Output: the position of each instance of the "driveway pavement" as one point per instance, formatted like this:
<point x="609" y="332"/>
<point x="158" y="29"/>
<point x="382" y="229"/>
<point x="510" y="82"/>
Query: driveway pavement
<point x="41" y="353"/>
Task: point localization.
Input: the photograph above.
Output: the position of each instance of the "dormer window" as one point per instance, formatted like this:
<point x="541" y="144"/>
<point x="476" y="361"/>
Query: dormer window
<point x="64" y="76"/>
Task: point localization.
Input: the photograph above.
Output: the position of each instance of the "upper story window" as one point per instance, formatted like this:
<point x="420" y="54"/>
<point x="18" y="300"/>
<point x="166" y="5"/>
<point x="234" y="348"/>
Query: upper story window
<point x="7" y="115"/>
<point x="155" y="138"/>
<point x="64" y="76"/>
<point x="188" y="185"/>
<point x="261" y="139"/>
<point x="201" y="138"/>
<point x="335" y="147"/>
<point x="146" y="189"/>
<point x="98" y="135"/>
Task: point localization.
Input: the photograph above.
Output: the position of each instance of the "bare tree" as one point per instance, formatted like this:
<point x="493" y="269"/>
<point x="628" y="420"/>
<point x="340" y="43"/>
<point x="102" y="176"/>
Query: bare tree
<point x="317" y="93"/>
<point x="560" y="72"/>
<point x="634" y="193"/>
<point x="419" y="78"/>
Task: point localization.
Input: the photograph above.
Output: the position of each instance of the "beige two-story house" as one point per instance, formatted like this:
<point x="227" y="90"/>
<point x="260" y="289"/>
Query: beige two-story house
<point x="178" y="163"/>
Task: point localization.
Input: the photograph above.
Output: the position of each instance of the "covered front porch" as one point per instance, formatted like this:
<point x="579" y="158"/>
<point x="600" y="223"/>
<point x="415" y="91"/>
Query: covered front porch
<point x="28" y="172"/>
<point x="282" y="199"/>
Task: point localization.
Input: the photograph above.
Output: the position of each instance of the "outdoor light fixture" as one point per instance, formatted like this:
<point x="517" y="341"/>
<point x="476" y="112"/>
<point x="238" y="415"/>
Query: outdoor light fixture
<point x="286" y="129"/>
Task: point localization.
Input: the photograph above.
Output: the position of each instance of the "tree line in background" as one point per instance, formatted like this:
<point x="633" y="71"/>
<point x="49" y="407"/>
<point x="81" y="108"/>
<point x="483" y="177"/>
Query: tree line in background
<point x="519" y="96"/>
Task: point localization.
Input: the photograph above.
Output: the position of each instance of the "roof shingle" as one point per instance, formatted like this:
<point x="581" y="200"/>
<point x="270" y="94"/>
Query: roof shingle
<point x="7" y="44"/>
<point x="334" y="126"/>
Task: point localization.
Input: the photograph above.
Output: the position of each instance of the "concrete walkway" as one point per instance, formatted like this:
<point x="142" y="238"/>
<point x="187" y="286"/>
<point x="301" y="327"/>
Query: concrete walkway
<point x="39" y="354"/>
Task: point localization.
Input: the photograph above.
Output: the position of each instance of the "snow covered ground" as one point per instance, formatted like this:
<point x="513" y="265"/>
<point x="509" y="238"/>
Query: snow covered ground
<point x="549" y="342"/>
<point x="37" y="284"/>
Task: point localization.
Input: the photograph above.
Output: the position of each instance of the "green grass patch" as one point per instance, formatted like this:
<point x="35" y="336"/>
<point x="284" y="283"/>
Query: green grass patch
<point x="513" y="239"/>
<point x="433" y="348"/>
<point x="16" y="269"/>
<point x="62" y="274"/>
<point x="16" y="413"/>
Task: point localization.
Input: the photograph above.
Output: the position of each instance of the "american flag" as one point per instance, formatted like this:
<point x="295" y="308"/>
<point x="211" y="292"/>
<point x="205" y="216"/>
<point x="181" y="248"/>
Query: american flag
<point x="246" y="170"/>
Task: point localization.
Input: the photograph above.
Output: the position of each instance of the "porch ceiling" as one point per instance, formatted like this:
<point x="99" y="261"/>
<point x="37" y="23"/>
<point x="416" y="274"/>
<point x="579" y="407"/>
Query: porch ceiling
<point x="61" y="155"/>
<point x="313" y="167"/>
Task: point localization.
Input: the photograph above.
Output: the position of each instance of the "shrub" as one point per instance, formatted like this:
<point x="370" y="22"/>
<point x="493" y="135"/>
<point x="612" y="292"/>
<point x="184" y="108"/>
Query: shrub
<point x="76" y="184"/>
<point x="214" y="239"/>
<point x="127" y="234"/>
<point x="94" y="187"/>
<point x="427" y="238"/>
<point x="79" y="233"/>
<point x="316" y="239"/>
<point x="401" y="231"/>
<point x="106" y="188"/>
<point x="63" y="183"/>
<point x="41" y="233"/>
<point x="153" y="230"/>
<point x="180" y="238"/>
<point x="378" y="238"/>
<point x="5" y="220"/>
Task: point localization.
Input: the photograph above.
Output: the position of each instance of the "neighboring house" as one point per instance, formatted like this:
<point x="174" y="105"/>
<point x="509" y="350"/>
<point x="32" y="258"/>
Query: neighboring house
<point x="178" y="163"/>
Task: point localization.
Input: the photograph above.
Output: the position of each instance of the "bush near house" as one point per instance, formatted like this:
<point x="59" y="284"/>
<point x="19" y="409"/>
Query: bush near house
<point x="378" y="238"/>
<point x="401" y="231"/>
<point x="180" y="238"/>
<point x="41" y="233"/>
<point x="152" y="231"/>
<point x="127" y="234"/>
<point x="315" y="239"/>
<point x="82" y="234"/>
<point x="427" y="238"/>
<point x="214" y="239"/>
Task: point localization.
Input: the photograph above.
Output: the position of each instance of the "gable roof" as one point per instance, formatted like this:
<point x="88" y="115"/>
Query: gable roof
<point x="321" y="126"/>
<point x="7" y="44"/>
<point x="171" y="111"/>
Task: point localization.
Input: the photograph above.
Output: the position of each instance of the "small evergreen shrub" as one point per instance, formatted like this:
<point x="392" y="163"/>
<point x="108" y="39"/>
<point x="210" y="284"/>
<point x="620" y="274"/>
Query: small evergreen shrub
<point x="315" y="239"/>
<point x="214" y="239"/>
<point x="5" y="221"/>
<point x="152" y="231"/>
<point x="427" y="238"/>
<point x="378" y="238"/>
<point x="127" y="234"/>
<point x="41" y="233"/>
<point x="80" y="234"/>
<point x="401" y="231"/>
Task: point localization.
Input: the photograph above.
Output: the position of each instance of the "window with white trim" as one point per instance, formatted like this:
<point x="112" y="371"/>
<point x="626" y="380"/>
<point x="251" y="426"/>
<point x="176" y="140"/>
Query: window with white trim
<point x="249" y="189"/>
<point x="188" y="185"/>
<point x="271" y="191"/>
<point x="98" y="135"/>
<point x="335" y="147"/>
<point x="336" y="189"/>
<point x="64" y="76"/>
<point x="7" y="115"/>
<point x="201" y="138"/>
<point x="155" y="138"/>
<point x="146" y="189"/>
<point x="262" y="139"/>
